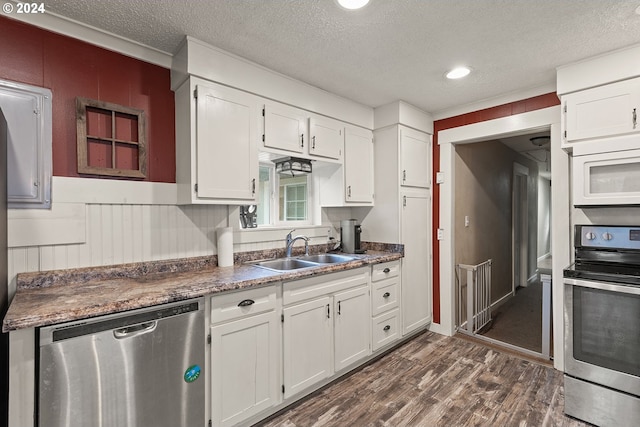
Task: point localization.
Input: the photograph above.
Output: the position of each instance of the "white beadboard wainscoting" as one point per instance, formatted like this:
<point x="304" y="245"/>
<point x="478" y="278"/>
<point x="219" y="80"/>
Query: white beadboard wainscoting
<point x="128" y="227"/>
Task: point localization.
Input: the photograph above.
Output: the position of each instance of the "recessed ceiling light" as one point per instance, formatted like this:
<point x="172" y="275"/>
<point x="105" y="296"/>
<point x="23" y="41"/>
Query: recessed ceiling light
<point x="353" y="4"/>
<point x="458" y="73"/>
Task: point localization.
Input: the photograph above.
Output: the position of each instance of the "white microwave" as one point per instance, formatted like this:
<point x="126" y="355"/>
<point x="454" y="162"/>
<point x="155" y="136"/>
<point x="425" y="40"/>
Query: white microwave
<point x="607" y="172"/>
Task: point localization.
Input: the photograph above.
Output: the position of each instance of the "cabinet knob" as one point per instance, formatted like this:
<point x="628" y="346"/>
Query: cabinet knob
<point x="246" y="303"/>
<point x="386" y="270"/>
<point x="386" y="295"/>
<point x="386" y="328"/>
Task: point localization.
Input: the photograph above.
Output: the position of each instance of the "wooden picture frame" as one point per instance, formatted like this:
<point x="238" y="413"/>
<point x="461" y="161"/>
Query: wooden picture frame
<point x="111" y="139"/>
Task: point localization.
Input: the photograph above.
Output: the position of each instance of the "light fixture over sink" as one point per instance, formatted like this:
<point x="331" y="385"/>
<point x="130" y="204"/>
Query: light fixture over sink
<point x="292" y="166"/>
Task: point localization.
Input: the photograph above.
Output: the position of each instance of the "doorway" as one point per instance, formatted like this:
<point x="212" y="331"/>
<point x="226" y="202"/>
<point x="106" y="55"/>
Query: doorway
<point x="496" y="220"/>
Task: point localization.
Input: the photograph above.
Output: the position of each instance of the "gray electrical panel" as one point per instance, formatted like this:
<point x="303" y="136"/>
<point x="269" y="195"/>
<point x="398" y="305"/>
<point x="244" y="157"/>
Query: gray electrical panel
<point x="27" y="110"/>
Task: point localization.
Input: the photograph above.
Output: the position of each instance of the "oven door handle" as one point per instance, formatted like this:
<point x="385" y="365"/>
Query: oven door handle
<point x="634" y="290"/>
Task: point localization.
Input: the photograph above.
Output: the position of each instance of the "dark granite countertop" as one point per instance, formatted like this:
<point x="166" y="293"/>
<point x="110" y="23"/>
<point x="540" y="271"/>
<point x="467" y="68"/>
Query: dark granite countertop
<point x="47" y="298"/>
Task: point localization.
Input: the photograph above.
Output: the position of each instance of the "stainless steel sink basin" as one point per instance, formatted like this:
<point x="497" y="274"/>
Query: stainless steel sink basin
<point x="307" y="261"/>
<point x="327" y="258"/>
<point x="285" y="264"/>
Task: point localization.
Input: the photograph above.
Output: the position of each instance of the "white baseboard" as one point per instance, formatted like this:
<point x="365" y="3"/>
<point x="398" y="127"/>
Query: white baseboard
<point x="501" y="301"/>
<point x="543" y="257"/>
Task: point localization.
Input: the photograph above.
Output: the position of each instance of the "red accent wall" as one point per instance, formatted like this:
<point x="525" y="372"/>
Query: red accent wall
<point x="505" y="110"/>
<point x="72" y="68"/>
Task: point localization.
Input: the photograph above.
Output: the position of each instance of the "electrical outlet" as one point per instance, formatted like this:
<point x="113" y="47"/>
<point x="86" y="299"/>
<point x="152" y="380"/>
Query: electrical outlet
<point x="466" y="220"/>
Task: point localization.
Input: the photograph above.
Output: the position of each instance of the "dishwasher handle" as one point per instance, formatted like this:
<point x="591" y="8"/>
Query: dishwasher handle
<point x="132" y="331"/>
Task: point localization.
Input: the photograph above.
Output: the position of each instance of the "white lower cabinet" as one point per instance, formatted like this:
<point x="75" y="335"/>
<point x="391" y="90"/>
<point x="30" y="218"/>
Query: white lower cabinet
<point x="385" y="329"/>
<point x="307" y="336"/>
<point x="385" y="304"/>
<point x="351" y="327"/>
<point x="245" y="355"/>
<point x="326" y="327"/>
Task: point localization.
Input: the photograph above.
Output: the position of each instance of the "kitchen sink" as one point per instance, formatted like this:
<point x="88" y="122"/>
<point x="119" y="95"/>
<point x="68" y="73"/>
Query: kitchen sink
<point x="327" y="258"/>
<point x="306" y="261"/>
<point x="285" y="264"/>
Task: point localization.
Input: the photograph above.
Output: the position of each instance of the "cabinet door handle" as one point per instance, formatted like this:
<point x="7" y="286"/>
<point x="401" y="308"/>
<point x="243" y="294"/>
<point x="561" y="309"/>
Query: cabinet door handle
<point x="386" y="270"/>
<point x="328" y="312"/>
<point x="349" y="191"/>
<point x="386" y="295"/>
<point x="404" y="201"/>
<point x="635" y="118"/>
<point x="253" y="187"/>
<point x="386" y="328"/>
<point x="339" y="309"/>
<point x="404" y="175"/>
<point x="246" y="303"/>
<point x="302" y="139"/>
<point x="313" y="142"/>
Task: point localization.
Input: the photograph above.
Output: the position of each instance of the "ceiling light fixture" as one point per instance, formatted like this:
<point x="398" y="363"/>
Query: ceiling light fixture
<point x="458" y="73"/>
<point x="353" y="4"/>
<point x="539" y="141"/>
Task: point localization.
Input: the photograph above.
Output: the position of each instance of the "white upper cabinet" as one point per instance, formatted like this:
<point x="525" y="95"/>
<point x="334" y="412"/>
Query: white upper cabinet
<point x="285" y="128"/>
<point x="603" y="111"/>
<point x="216" y="148"/>
<point x="358" y="166"/>
<point x="326" y="138"/>
<point x="227" y="160"/>
<point x="415" y="158"/>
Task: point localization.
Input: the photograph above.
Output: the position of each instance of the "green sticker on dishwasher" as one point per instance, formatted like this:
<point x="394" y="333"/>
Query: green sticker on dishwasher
<point x="192" y="373"/>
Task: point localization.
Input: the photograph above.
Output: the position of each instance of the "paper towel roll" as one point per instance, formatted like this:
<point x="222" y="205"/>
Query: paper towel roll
<point x="225" y="246"/>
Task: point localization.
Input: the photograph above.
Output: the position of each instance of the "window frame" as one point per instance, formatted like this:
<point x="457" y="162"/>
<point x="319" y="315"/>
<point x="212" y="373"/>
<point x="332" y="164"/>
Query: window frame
<point x="274" y="202"/>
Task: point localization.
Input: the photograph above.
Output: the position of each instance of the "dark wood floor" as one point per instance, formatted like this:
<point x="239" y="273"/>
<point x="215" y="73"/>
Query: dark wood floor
<point x="438" y="381"/>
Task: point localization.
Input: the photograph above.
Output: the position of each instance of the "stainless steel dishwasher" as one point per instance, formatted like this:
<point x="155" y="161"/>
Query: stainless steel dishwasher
<point x="142" y="368"/>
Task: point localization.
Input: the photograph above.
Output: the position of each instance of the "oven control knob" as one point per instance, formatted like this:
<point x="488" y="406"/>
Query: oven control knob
<point x="607" y="236"/>
<point x="590" y="236"/>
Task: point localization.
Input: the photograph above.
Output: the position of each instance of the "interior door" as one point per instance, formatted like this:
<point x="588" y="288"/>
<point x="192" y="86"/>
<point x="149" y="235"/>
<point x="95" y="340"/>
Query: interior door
<point x="520" y="226"/>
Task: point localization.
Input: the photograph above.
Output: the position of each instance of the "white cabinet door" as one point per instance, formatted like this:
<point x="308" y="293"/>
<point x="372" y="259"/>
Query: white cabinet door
<point x="352" y="322"/>
<point x="358" y="165"/>
<point x="326" y="138"/>
<point x="307" y="339"/>
<point x="603" y="111"/>
<point x="226" y="149"/>
<point x="244" y="368"/>
<point x="415" y="158"/>
<point x="416" y="272"/>
<point x="284" y="128"/>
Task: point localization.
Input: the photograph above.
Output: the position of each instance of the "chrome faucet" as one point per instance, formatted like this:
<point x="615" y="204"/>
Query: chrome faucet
<point x="290" y="241"/>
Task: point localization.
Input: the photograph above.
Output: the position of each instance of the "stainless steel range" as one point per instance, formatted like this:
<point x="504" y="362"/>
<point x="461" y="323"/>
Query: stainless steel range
<point x="602" y="326"/>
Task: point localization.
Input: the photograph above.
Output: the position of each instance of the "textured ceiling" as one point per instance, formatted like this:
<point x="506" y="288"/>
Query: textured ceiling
<point x="391" y="49"/>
